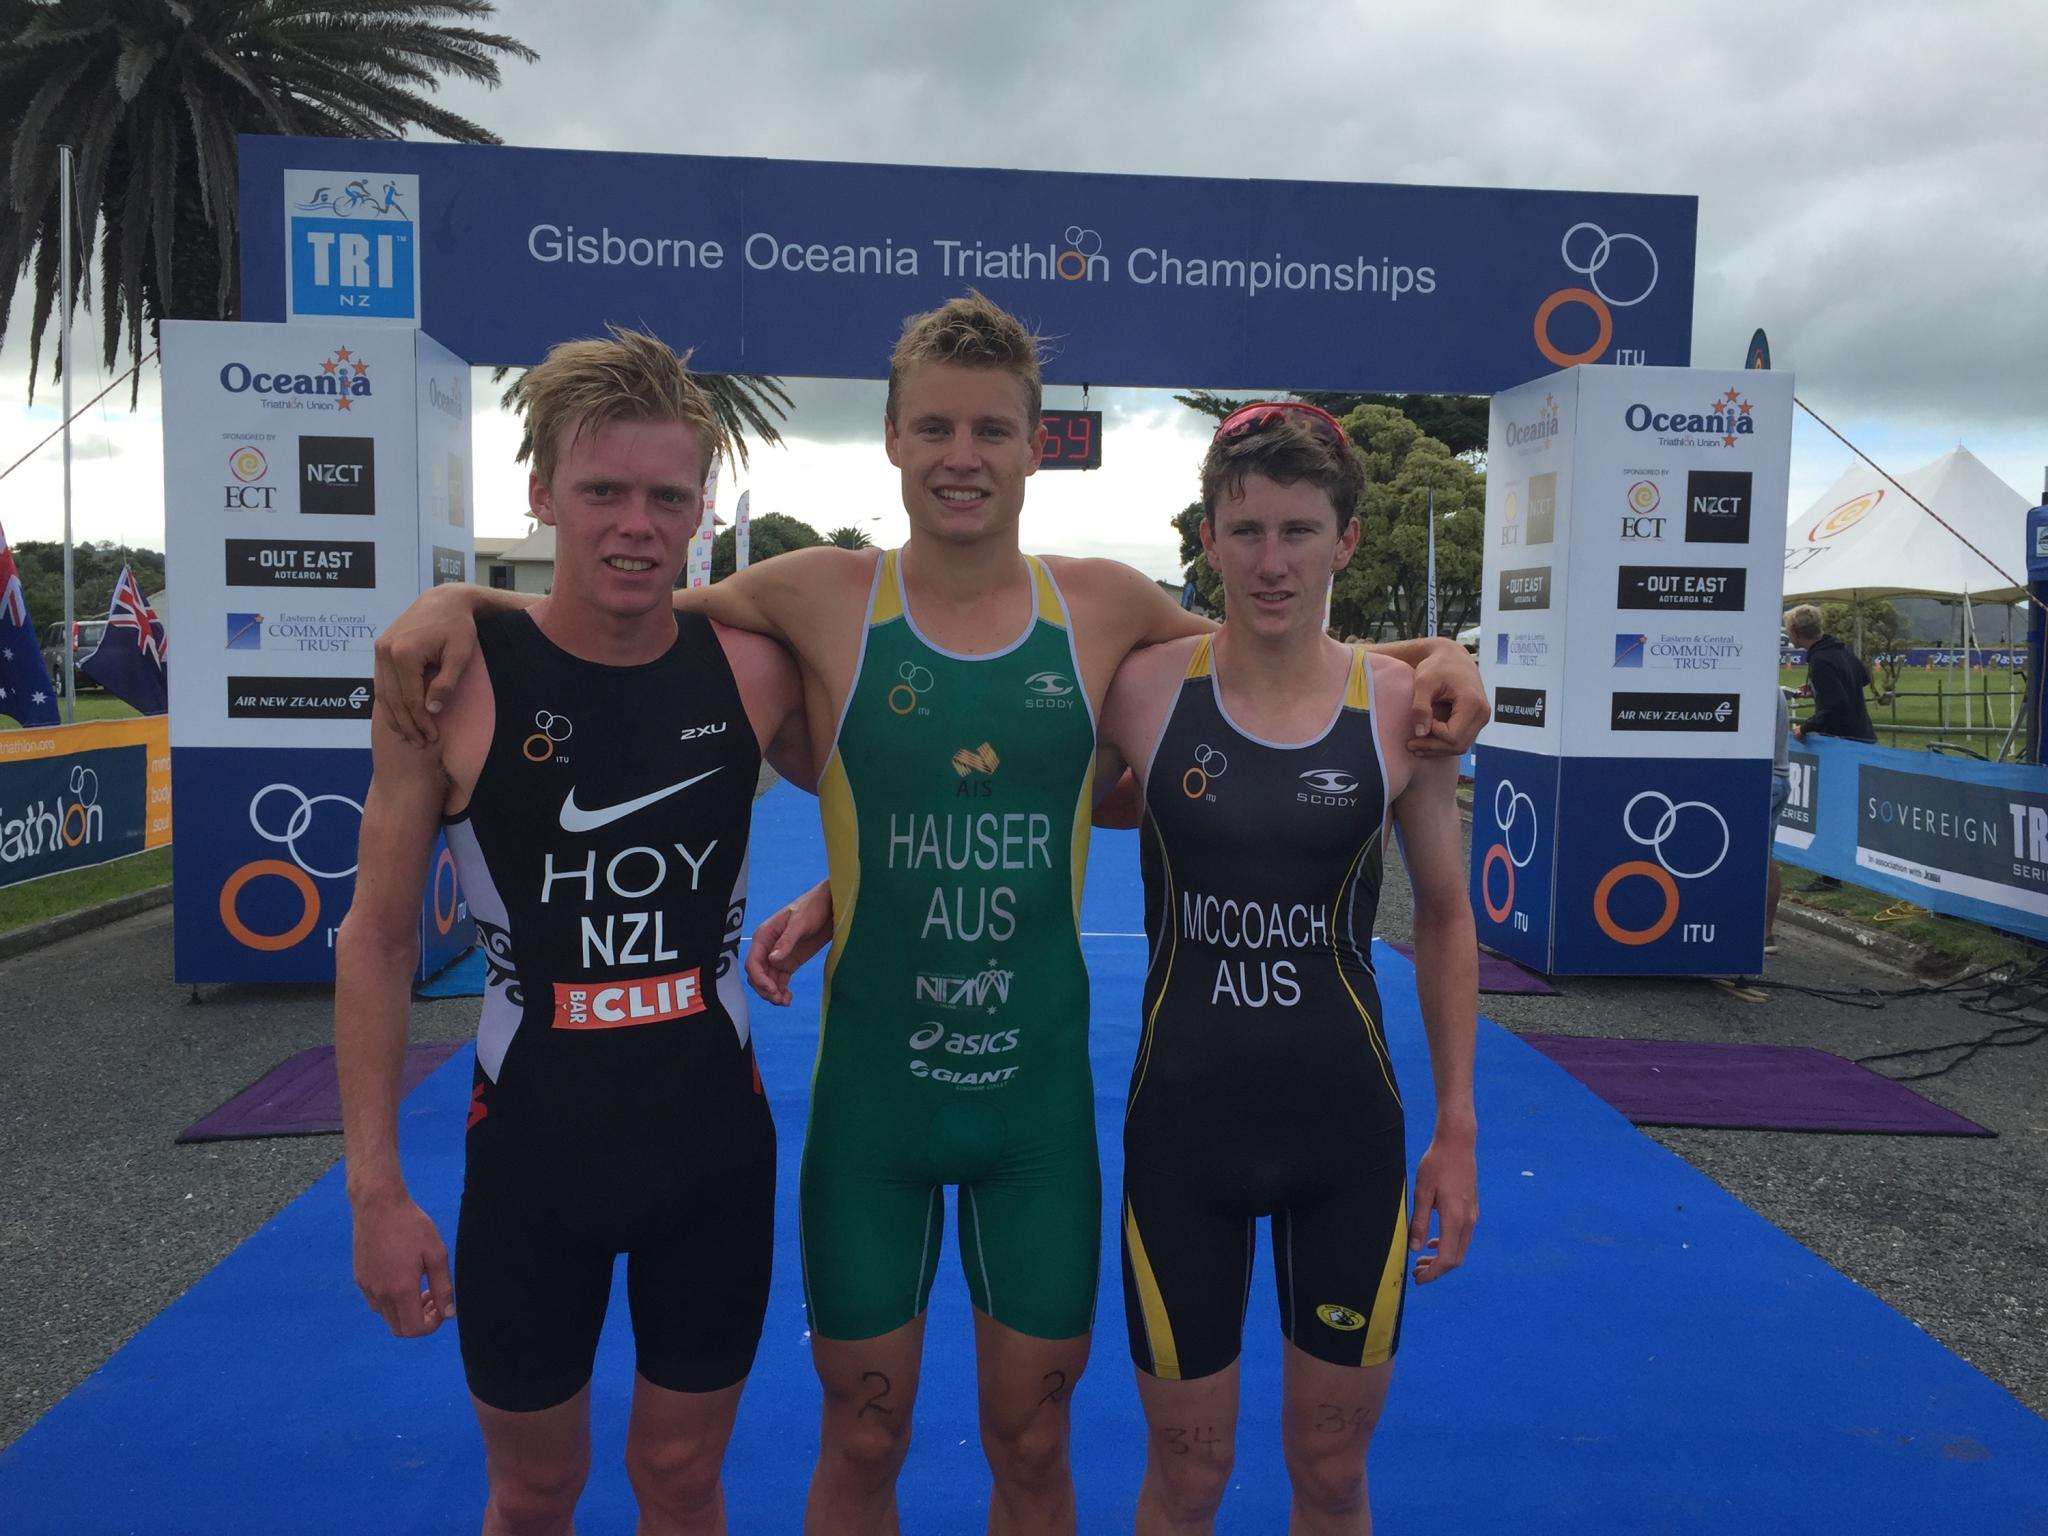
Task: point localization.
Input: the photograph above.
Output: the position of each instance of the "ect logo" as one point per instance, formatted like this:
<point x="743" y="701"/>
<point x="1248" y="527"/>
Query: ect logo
<point x="1641" y="521"/>
<point x="1663" y="874"/>
<point x="250" y="469"/>
<point x="351" y="245"/>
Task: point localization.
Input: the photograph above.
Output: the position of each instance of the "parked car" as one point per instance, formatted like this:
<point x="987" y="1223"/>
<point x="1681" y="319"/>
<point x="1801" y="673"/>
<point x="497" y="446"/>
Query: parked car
<point x="85" y="639"/>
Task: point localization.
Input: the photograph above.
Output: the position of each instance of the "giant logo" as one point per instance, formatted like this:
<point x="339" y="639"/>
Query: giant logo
<point x="352" y="244"/>
<point x="1663" y="873"/>
<point x="1589" y="250"/>
<point x="1511" y="809"/>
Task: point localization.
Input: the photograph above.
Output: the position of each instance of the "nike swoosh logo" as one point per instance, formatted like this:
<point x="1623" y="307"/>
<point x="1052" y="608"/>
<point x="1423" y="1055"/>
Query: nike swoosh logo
<point x="576" y="819"/>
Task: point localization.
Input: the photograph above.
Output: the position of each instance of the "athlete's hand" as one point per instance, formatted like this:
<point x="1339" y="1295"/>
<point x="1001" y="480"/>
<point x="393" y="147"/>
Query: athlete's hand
<point x="419" y="660"/>
<point x="396" y="1247"/>
<point x="789" y="938"/>
<point x="1449" y="708"/>
<point x="1446" y="1182"/>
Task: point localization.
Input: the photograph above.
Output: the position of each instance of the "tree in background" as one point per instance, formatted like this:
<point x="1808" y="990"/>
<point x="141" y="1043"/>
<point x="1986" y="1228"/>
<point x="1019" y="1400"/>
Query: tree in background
<point x="95" y="569"/>
<point x="1386" y="584"/>
<point x="1882" y="644"/>
<point x="1456" y="421"/>
<point x="151" y="93"/>
<point x="769" y="535"/>
<point x="849" y="537"/>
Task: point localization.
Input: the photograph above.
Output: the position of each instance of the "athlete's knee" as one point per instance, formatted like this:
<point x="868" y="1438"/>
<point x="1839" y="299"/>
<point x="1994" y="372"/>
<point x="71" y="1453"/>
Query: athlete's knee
<point x="1329" y="1478"/>
<point x="1030" y="1454"/>
<point x="536" y="1495"/>
<point x="1190" y="1477"/>
<point x="866" y="1447"/>
<point x="678" y="1473"/>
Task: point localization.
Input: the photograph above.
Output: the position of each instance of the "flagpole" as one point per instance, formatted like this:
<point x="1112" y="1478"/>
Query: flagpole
<point x="1432" y="562"/>
<point x="64" y="365"/>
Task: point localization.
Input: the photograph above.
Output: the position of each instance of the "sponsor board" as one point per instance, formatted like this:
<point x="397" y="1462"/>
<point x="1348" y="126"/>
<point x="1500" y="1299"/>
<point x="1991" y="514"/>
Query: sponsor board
<point x="352" y="244"/>
<point x="449" y="565"/>
<point x="338" y="476"/>
<point x="1675" y="712"/>
<point x="301" y="563"/>
<point x="1514" y="834"/>
<point x="1520" y="650"/>
<point x="1657" y="588"/>
<point x="1528" y="588"/>
<point x="1519" y="706"/>
<point x="1542" y="525"/>
<point x="298" y="698"/>
<point x="1678" y="653"/>
<point x="1984" y="841"/>
<point x="77" y="795"/>
<point x="306" y="633"/>
<point x="1717" y="506"/>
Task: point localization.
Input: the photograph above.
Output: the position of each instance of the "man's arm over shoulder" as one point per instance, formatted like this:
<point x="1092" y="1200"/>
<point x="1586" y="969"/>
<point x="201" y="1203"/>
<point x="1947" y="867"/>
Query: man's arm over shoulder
<point x="1122" y="600"/>
<point x="1140" y="697"/>
<point x="786" y="597"/>
<point x="423" y="653"/>
<point x="1449" y="707"/>
<point x="772" y="691"/>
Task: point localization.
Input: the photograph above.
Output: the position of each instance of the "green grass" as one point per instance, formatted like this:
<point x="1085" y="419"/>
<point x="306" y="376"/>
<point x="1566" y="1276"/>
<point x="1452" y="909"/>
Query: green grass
<point x="37" y="901"/>
<point x="1914" y="720"/>
<point x="91" y="706"/>
<point x="1966" y="945"/>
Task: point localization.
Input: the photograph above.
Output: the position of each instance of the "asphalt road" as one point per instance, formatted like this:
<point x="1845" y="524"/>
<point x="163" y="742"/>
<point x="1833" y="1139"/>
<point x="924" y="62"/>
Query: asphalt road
<point x="104" y="1221"/>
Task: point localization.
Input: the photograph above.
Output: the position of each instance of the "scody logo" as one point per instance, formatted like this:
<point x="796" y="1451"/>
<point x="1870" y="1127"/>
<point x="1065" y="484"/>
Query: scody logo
<point x="1327" y="786"/>
<point x="1728" y="418"/>
<point x="1049" y="690"/>
<point x="340" y="381"/>
<point x="1520" y="435"/>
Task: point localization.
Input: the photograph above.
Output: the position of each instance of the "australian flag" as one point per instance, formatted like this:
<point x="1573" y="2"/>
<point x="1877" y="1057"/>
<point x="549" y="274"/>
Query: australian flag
<point x="130" y="661"/>
<point x="25" y="690"/>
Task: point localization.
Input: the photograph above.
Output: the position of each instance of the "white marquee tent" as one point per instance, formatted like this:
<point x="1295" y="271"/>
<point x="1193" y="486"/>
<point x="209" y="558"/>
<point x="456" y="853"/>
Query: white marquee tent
<point x="1863" y="536"/>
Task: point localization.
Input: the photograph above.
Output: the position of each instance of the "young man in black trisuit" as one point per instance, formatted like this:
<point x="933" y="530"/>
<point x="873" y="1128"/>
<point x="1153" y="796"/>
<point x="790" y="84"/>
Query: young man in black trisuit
<point x="1270" y="768"/>
<point x="596" y="778"/>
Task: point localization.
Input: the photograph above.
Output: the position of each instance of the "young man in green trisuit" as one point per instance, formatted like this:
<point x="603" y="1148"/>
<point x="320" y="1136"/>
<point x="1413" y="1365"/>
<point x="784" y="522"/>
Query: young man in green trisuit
<point x="951" y="688"/>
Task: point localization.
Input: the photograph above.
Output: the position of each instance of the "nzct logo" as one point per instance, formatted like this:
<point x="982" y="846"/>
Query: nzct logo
<point x="1722" y="424"/>
<point x="352" y="246"/>
<point x="341" y="379"/>
<point x="1049" y="690"/>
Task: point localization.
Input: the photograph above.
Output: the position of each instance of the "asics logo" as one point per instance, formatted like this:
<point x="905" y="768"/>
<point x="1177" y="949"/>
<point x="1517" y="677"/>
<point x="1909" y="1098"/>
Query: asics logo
<point x="576" y="818"/>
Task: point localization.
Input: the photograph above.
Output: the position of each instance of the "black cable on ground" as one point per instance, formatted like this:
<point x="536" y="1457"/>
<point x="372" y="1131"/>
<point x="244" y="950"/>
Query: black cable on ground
<point x="2024" y="1034"/>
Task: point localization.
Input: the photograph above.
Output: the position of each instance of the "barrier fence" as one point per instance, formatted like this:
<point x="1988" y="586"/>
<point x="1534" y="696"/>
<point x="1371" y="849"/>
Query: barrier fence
<point x="77" y="795"/>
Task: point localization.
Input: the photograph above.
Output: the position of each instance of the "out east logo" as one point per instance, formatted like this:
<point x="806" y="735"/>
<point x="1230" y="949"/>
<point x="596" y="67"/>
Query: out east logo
<point x="1845" y="517"/>
<point x="1589" y="250"/>
<point x="352" y="248"/>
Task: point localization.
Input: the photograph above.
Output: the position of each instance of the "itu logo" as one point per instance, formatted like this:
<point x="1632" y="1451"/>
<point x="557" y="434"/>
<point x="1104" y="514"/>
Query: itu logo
<point x="1512" y="810"/>
<point x="1209" y="766"/>
<point x="1663" y="874"/>
<point x="351" y="244"/>
<point x="1080" y="258"/>
<point x="551" y="730"/>
<point x="907" y="695"/>
<point x="1589" y="251"/>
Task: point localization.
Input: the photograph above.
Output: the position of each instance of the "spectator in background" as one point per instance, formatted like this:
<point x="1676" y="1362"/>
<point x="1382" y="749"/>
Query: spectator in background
<point x="1837" y="676"/>
<point x="1781" y="791"/>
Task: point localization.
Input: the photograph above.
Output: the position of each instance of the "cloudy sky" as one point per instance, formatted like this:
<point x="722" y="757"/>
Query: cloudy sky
<point x="1873" y="186"/>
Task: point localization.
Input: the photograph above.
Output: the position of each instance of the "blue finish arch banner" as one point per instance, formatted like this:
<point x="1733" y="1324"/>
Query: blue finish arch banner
<point x="808" y="268"/>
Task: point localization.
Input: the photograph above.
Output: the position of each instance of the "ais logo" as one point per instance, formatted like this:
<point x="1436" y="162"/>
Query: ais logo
<point x="352" y="247"/>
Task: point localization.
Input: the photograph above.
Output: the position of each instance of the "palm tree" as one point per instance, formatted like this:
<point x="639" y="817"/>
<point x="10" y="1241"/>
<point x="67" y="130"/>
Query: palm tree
<point x="849" y="537"/>
<point x="151" y="93"/>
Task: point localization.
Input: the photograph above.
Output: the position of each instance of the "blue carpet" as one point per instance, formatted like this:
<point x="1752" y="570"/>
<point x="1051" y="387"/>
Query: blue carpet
<point x="1627" y="1349"/>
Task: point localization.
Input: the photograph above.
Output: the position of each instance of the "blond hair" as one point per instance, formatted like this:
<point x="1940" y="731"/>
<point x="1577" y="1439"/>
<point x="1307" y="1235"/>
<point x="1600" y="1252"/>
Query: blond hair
<point x="972" y="331"/>
<point x="587" y="385"/>
<point x="1285" y="450"/>
<point x="1803" y="620"/>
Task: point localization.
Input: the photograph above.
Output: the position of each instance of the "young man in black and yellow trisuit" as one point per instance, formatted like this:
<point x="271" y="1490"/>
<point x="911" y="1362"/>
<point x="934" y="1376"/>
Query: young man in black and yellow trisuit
<point x="952" y="688"/>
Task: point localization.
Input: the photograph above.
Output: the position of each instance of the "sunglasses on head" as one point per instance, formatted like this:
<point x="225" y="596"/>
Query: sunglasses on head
<point x="1261" y="414"/>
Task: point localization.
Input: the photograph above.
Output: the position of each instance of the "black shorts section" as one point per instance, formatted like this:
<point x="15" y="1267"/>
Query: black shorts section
<point x="1339" y="1252"/>
<point x="539" y="1231"/>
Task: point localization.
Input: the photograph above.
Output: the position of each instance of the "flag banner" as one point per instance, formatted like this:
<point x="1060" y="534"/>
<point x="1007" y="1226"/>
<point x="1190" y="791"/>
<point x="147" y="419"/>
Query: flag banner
<point x="73" y="795"/>
<point x="1759" y="351"/>
<point x="25" y="689"/>
<point x="742" y="530"/>
<point x="131" y="660"/>
<point x="697" y="568"/>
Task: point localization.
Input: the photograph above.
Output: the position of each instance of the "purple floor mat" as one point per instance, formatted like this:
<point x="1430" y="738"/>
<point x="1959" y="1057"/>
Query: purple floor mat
<point x="301" y="1096"/>
<point x="1497" y="973"/>
<point x="1748" y="1087"/>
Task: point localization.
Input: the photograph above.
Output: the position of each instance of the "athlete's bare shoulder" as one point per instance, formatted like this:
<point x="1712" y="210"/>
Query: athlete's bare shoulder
<point x="1393" y="688"/>
<point x="1141" y="693"/>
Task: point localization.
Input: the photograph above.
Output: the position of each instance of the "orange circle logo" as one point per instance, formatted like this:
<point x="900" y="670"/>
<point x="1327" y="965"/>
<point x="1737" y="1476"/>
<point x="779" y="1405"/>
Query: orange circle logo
<point x="270" y="943"/>
<point x="1507" y="902"/>
<point x="443" y="921"/>
<point x="1557" y="301"/>
<point x="1635" y="936"/>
